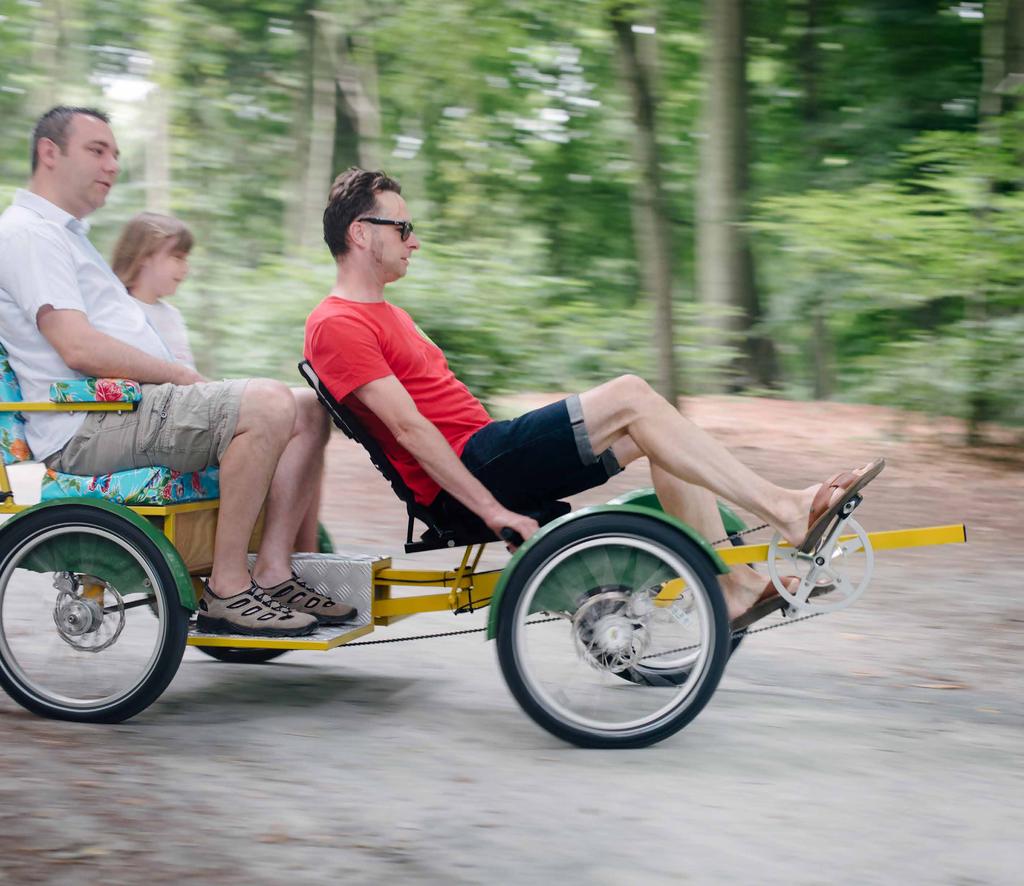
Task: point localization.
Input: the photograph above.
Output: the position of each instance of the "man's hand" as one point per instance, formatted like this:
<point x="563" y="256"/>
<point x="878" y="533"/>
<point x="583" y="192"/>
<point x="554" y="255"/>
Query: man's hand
<point x="505" y="519"/>
<point x="186" y="375"/>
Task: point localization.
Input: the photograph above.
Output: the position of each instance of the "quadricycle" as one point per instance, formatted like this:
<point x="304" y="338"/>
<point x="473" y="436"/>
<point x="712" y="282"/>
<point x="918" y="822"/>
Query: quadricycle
<point x="611" y="630"/>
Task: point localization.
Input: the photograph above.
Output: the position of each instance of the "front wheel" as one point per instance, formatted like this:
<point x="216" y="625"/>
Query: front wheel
<point x="595" y="597"/>
<point x="91" y="626"/>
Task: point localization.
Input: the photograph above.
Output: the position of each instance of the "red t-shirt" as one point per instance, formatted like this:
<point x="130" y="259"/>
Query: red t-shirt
<point x="351" y="343"/>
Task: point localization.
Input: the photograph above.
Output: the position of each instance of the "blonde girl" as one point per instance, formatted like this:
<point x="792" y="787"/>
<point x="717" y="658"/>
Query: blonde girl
<point x="151" y="259"/>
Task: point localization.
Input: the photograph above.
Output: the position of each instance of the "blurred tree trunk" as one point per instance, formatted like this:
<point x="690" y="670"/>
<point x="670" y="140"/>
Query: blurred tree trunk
<point x="57" y="56"/>
<point x="342" y="98"/>
<point x="651" y="220"/>
<point x="306" y="213"/>
<point x="356" y="71"/>
<point x="1015" y="49"/>
<point x="158" y="152"/>
<point x="725" y="263"/>
<point x="163" y="42"/>
<point x="993" y="58"/>
<point x="809" y="67"/>
<point x="1002" y="57"/>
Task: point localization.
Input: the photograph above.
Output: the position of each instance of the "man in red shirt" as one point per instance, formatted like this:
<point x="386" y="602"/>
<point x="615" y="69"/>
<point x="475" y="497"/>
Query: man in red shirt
<point x="372" y="356"/>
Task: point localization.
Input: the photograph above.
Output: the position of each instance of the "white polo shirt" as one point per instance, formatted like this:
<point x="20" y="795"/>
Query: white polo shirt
<point x="170" y="326"/>
<point x="47" y="259"/>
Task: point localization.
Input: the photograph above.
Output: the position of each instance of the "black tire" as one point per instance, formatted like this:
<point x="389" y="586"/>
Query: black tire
<point x="45" y="666"/>
<point x="234" y="655"/>
<point x="536" y="587"/>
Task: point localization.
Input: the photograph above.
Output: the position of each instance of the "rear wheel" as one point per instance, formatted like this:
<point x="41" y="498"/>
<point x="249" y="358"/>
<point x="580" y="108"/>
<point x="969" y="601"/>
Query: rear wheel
<point x="91" y="625"/>
<point x="619" y="590"/>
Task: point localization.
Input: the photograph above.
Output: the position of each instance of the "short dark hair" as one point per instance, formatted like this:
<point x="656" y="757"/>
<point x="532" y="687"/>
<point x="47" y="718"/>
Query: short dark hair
<point x="353" y="194"/>
<point x="54" y="126"/>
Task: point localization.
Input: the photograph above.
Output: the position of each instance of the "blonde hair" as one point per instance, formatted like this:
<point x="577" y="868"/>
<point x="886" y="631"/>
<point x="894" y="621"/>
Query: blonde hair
<point x="145" y="235"/>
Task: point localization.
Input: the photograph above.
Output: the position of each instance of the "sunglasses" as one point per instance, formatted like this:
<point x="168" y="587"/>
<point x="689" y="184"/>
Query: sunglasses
<point x="404" y="227"/>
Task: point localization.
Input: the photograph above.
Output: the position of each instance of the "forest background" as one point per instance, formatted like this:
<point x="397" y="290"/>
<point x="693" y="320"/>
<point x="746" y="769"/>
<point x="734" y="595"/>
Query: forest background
<point x="808" y="198"/>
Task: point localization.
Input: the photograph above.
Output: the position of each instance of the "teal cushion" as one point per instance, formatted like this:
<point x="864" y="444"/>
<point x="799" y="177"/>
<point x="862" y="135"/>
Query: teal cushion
<point x="93" y="390"/>
<point x="13" y="445"/>
<point x="140" y="486"/>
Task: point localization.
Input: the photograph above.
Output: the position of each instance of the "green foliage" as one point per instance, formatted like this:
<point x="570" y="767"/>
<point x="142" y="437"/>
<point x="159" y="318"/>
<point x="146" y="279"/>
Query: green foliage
<point x="918" y="277"/>
<point x="877" y="201"/>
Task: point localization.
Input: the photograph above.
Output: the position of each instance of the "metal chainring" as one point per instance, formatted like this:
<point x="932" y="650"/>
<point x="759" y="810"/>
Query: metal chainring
<point x="82" y="621"/>
<point x="831" y="563"/>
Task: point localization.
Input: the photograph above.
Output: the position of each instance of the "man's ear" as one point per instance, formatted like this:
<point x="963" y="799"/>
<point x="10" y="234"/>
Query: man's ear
<point x="356" y="233"/>
<point x="47" y="151"/>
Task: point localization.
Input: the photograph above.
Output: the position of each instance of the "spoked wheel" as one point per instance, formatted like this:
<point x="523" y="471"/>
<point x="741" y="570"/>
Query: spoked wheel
<point x="621" y="591"/>
<point x="91" y="626"/>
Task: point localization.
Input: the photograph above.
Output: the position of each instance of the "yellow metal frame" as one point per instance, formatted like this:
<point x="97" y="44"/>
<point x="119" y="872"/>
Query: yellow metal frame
<point x="885" y="540"/>
<point x="88" y="406"/>
<point x="466" y="589"/>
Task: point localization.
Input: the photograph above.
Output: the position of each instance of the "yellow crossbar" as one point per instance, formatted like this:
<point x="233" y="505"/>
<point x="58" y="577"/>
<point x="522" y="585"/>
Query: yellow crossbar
<point x="412" y="577"/>
<point x="85" y="406"/>
<point x="955" y="533"/>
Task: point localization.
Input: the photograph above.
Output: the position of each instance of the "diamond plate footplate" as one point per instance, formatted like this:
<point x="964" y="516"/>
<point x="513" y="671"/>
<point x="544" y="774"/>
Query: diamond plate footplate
<point x="348" y="578"/>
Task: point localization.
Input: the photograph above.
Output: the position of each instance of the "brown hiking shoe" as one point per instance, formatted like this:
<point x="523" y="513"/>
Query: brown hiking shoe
<point x="300" y="597"/>
<point x="252" y="613"/>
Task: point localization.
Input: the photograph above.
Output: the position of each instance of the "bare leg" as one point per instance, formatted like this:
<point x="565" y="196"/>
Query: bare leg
<point x="697" y="507"/>
<point x="292" y="489"/>
<point x="627" y="406"/>
<point x="265" y="418"/>
<point x="308" y="538"/>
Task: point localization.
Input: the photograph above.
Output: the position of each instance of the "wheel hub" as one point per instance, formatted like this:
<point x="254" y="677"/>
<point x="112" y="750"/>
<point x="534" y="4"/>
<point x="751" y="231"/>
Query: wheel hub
<point x="75" y="616"/>
<point x="610" y="632"/>
<point x="88" y="618"/>
<point x="613" y="634"/>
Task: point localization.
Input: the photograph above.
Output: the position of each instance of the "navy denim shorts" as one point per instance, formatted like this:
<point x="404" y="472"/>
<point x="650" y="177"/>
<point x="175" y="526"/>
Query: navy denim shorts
<point x="536" y="458"/>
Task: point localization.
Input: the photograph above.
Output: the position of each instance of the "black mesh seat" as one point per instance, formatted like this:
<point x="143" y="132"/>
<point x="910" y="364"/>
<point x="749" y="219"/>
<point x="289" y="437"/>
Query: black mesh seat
<point x="453" y="527"/>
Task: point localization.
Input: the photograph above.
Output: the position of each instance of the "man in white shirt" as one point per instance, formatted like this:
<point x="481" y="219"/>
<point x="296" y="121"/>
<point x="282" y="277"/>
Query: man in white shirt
<point x="64" y="314"/>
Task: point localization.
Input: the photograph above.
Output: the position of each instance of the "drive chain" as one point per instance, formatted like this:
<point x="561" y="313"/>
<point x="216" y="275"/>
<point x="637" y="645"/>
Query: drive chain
<point x="540" y="621"/>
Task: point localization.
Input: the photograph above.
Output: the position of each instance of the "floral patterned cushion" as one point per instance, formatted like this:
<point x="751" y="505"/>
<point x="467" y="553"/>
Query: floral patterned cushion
<point x="93" y="390"/>
<point x="141" y="486"/>
<point x="13" y="446"/>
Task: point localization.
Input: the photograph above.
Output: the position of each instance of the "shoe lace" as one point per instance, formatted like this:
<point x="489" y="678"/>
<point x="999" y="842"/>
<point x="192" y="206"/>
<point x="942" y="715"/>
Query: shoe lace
<point x="266" y="600"/>
<point x="302" y="584"/>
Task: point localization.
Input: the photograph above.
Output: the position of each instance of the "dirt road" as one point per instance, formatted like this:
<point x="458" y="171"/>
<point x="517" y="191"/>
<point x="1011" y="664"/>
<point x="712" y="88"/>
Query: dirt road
<point x="878" y="745"/>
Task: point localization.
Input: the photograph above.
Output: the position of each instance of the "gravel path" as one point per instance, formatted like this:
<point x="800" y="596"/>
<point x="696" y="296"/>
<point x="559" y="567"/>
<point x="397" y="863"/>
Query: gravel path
<point x="878" y="745"/>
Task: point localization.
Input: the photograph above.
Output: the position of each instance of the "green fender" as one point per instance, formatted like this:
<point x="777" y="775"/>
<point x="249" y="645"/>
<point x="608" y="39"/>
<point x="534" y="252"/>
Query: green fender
<point x="648" y="498"/>
<point x="174" y="562"/>
<point x="495" y="602"/>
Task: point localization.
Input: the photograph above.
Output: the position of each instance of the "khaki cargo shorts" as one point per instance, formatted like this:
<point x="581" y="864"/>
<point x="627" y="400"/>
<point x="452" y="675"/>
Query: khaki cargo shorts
<point x="186" y="428"/>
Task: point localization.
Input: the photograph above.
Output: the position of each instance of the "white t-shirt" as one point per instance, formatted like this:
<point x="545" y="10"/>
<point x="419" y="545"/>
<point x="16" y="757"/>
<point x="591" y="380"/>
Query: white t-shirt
<point x="170" y="325"/>
<point x="47" y="259"/>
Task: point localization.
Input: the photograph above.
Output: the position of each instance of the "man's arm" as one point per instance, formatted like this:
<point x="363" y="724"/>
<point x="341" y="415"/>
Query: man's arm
<point x="87" y="350"/>
<point x="388" y="399"/>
